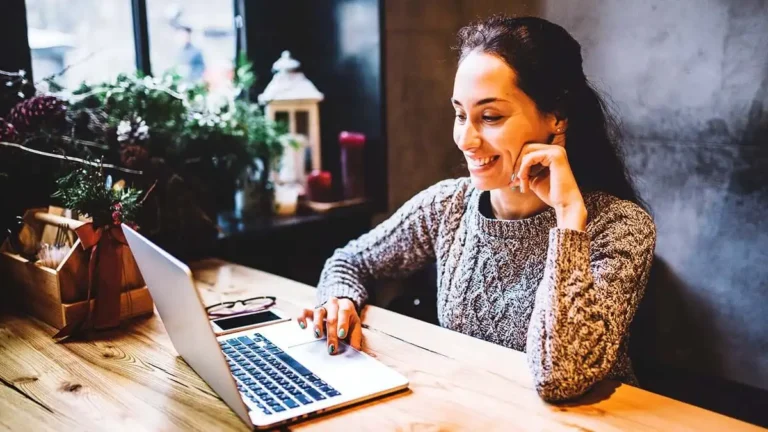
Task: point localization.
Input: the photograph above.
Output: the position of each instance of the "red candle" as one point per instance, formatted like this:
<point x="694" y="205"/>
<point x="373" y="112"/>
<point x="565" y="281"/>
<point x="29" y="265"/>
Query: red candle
<point x="352" y="146"/>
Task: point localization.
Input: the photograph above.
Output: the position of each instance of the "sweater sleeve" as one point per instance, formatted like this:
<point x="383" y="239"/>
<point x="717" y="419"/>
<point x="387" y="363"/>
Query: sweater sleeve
<point x="397" y="247"/>
<point x="593" y="282"/>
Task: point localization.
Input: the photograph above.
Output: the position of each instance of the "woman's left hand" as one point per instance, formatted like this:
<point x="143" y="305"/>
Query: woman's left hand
<point x="544" y="170"/>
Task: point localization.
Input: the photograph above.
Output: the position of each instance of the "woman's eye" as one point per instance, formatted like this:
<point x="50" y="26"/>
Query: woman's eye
<point x="491" y="119"/>
<point x="461" y="117"/>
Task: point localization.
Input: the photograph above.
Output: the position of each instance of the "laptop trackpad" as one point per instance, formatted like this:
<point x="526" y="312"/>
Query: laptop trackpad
<point x="345" y="364"/>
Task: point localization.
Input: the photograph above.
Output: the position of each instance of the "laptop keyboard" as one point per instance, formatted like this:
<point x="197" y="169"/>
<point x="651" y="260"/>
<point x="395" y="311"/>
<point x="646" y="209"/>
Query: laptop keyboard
<point x="270" y="378"/>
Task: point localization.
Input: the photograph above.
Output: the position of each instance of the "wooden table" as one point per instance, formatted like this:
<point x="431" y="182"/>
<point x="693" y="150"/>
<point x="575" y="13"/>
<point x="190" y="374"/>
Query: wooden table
<point x="132" y="379"/>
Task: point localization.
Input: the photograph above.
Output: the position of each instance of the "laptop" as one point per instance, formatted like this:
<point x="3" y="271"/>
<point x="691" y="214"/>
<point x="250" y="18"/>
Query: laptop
<point x="269" y="376"/>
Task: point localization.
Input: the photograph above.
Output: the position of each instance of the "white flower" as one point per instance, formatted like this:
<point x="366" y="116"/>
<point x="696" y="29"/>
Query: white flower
<point x="123" y="130"/>
<point x="142" y="132"/>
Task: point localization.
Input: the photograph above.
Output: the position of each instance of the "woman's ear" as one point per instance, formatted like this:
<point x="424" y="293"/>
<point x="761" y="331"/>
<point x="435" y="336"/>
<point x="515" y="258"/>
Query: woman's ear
<point x="558" y="125"/>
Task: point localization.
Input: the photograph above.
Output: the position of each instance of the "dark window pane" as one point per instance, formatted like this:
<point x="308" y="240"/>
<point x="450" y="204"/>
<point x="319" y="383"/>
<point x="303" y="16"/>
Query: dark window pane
<point x="302" y="123"/>
<point x="281" y="117"/>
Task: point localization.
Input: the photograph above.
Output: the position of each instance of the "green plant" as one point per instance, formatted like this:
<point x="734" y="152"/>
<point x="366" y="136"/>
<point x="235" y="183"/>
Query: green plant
<point x="88" y="191"/>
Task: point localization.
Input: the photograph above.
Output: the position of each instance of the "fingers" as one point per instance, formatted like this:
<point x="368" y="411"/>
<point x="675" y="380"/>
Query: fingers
<point x="533" y="162"/>
<point x="319" y="314"/>
<point x="306" y="314"/>
<point x="356" y="332"/>
<point x="345" y="315"/>
<point x="526" y="163"/>
<point x="331" y="325"/>
<point x="338" y="319"/>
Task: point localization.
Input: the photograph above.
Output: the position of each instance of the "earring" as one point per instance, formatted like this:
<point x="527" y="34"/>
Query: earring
<point x="559" y="130"/>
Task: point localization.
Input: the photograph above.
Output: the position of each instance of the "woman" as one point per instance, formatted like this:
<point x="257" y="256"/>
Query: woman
<point x="545" y="248"/>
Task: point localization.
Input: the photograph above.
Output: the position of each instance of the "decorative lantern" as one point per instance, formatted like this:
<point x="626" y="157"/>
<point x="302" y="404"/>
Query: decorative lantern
<point x="292" y="98"/>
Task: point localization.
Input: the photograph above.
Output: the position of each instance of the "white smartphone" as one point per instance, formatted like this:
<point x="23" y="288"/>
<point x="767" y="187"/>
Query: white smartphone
<point x="246" y="321"/>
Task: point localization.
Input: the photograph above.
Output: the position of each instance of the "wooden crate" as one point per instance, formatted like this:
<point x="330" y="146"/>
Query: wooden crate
<point x="58" y="296"/>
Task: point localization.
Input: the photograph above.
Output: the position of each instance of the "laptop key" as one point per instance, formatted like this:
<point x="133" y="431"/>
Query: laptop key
<point x="277" y="408"/>
<point x="316" y="395"/>
<point x="298" y="367"/>
<point x="303" y="399"/>
<point x="246" y="340"/>
<point x="290" y="403"/>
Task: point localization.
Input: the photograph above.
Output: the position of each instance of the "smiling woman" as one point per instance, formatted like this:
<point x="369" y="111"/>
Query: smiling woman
<point x="544" y="248"/>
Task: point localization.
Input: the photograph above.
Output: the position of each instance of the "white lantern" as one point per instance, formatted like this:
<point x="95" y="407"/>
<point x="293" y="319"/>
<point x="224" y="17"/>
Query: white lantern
<point x="292" y="98"/>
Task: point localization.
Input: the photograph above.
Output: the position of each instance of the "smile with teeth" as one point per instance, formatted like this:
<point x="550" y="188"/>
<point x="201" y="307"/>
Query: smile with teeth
<point x="481" y="162"/>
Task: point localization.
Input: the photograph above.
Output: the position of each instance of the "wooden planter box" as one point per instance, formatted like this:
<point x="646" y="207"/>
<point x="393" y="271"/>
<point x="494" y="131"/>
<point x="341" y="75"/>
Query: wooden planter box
<point x="58" y="296"/>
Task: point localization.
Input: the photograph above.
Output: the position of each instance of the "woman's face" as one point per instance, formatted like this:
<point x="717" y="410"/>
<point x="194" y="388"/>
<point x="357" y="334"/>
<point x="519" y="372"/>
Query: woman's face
<point x="494" y="119"/>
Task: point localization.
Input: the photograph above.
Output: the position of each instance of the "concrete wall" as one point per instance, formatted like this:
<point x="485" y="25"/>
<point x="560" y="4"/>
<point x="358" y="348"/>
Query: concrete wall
<point x="691" y="81"/>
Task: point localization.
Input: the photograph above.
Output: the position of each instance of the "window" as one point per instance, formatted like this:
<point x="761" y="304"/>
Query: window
<point x="93" y="40"/>
<point x="196" y="38"/>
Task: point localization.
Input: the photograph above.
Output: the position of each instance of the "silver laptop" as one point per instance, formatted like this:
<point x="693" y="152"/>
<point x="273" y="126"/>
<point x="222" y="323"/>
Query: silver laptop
<point x="269" y="376"/>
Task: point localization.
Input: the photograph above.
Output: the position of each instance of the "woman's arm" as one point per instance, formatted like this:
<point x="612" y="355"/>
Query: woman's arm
<point x="397" y="247"/>
<point x="593" y="282"/>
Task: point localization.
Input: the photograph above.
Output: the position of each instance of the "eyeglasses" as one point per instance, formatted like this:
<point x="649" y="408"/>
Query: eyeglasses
<point x="227" y="308"/>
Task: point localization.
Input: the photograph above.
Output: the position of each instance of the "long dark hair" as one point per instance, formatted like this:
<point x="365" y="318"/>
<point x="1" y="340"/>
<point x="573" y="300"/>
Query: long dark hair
<point x="548" y="64"/>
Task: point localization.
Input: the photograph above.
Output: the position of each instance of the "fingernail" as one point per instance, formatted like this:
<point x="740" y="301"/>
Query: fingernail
<point x="342" y="333"/>
<point x="317" y="332"/>
<point x="302" y="325"/>
<point x="331" y="349"/>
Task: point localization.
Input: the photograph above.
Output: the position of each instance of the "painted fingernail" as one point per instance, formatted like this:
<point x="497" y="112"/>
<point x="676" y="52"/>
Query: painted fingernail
<point x="302" y="325"/>
<point x="331" y="349"/>
<point x="317" y="332"/>
<point x="342" y="333"/>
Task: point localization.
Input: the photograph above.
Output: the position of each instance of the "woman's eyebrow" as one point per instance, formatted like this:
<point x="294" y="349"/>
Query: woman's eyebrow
<point x="483" y="101"/>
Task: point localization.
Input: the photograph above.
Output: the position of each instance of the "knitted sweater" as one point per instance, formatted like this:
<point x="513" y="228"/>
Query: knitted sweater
<point x="564" y="297"/>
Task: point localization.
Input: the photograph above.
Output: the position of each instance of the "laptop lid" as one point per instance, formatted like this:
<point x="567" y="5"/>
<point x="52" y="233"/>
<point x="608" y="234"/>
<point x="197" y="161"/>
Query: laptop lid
<point x="172" y="288"/>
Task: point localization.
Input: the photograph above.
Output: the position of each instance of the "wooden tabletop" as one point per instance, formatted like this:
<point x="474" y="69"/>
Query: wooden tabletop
<point x="132" y="379"/>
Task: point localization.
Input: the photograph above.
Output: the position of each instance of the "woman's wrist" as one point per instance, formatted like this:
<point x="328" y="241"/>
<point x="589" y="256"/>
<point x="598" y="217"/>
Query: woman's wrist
<point x="572" y="216"/>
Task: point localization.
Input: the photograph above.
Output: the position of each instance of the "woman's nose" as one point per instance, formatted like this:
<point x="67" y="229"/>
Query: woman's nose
<point x="467" y="138"/>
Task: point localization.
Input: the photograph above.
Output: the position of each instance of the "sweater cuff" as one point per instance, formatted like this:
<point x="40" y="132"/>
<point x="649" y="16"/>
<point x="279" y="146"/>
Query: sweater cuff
<point x="568" y="244"/>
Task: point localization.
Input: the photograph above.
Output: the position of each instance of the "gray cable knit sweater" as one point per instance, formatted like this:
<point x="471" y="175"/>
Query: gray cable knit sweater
<point x="565" y="297"/>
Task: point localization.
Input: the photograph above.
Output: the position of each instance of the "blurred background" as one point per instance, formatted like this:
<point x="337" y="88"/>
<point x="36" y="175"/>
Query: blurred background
<point x="689" y="79"/>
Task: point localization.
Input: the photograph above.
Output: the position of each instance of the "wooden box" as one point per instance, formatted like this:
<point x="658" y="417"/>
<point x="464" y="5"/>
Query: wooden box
<point x="58" y="296"/>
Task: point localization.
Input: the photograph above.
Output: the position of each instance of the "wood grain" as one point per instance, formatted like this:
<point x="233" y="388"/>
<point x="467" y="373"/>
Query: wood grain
<point x="132" y="378"/>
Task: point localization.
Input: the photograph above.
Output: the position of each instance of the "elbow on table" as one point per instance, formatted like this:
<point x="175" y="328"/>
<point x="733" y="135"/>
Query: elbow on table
<point x="555" y="389"/>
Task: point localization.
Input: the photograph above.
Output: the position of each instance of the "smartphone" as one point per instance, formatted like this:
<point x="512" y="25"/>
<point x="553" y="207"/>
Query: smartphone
<point x="246" y="321"/>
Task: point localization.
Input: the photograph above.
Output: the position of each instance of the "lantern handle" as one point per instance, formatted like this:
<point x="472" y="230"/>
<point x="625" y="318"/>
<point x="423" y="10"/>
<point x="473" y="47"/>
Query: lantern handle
<point x="285" y="63"/>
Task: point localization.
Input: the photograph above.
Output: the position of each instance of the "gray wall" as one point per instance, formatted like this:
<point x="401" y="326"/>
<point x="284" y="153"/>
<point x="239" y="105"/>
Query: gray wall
<point x="690" y="80"/>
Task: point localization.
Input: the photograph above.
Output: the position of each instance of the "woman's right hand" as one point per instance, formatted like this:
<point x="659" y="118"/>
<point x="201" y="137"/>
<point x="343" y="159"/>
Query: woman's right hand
<point x="341" y="322"/>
